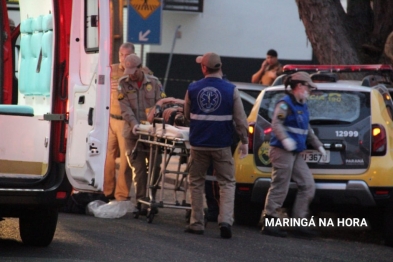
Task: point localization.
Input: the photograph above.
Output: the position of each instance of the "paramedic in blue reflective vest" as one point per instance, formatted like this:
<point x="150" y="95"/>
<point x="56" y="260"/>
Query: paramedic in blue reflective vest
<point x="291" y="132"/>
<point x="215" y="111"/>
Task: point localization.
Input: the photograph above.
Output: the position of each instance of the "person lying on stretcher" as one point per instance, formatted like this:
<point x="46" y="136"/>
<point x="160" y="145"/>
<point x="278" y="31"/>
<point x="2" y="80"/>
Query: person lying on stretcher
<point x="170" y="109"/>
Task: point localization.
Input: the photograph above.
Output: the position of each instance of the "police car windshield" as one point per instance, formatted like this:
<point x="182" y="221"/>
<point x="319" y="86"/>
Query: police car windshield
<point x="325" y="106"/>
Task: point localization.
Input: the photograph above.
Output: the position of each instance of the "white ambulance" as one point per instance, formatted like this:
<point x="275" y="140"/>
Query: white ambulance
<point x="53" y="108"/>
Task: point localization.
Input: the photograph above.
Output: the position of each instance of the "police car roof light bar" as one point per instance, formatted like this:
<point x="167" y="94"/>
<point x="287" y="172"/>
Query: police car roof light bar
<point x="338" y="68"/>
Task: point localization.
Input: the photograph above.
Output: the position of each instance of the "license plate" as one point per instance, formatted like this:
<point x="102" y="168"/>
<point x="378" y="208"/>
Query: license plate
<point x="313" y="156"/>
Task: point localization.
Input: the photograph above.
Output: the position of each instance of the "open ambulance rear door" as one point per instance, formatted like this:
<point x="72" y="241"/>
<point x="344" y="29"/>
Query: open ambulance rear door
<point x="33" y="105"/>
<point x="88" y="93"/>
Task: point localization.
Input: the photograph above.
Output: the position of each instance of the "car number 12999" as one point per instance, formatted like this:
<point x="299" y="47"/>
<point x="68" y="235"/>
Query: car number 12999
<point x="313" y="156"/>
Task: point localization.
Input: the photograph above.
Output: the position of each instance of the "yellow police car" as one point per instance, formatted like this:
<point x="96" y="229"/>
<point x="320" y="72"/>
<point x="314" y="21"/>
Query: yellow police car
<point x="353" y="120"/>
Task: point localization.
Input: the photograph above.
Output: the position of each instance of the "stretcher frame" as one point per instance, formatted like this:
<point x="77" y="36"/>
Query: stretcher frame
<point x="172" y="146"/>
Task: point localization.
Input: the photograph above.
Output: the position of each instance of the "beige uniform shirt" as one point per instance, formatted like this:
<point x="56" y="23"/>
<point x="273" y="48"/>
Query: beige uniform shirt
<point x="135" y="100"/>
<point x="116" y="73"/>
<point x="240" y="118"/>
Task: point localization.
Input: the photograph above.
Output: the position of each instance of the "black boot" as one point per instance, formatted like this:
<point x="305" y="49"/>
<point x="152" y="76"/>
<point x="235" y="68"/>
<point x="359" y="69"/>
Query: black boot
<point x="225" y="230"/>
<point x="272" y="230"/>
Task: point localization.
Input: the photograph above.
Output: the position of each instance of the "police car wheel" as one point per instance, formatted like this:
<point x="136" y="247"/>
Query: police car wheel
<point x="246" y="212"/>
<point x="388" y="232"/>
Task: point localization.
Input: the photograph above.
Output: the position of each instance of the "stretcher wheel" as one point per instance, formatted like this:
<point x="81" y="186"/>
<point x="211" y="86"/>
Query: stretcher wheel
<point x="150" y="217"/>
<point x="151" y="213"/>
<point x="136" y="214"/>
<point x="188" y="215"/>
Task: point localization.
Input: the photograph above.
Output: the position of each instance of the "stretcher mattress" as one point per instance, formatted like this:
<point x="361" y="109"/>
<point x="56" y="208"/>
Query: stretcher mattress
<point x="169" y="131"/>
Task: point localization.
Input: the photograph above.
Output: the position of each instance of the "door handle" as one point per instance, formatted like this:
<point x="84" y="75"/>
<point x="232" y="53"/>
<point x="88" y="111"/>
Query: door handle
<point x="90" y="117"/>
<point x="81" y="100"/>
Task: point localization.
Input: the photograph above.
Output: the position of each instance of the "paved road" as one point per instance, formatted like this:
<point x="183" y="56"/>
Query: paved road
<point x="87" y="238"/>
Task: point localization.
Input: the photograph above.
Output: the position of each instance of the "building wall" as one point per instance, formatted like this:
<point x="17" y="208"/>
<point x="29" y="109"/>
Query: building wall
<point x="239" y="31"/>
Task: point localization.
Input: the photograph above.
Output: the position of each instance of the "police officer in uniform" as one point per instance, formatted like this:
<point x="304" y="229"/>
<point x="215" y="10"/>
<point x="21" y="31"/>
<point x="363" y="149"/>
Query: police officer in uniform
<point x="290" y="132"/>
<point x="118" y="188"/>
<point x="215" y="110"/>
<point x="137" y="92"/>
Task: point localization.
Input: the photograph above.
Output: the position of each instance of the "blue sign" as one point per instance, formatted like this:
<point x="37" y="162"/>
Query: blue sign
<point x="144" y="21"/>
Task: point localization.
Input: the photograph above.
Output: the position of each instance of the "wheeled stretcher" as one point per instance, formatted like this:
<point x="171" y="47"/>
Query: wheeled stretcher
<point x="172" y="141"/>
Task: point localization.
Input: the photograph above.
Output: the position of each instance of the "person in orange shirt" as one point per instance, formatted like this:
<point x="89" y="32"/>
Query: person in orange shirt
<point x="270" y="69"/>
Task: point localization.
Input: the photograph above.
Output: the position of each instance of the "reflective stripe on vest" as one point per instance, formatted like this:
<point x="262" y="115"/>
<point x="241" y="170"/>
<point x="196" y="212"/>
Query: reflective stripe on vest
<point x="298" y="131"/>
<point x="211" y="117"/>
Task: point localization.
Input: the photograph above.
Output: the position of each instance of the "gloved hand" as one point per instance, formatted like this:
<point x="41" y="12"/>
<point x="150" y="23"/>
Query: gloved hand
<point x="289" y="144"/>
<point x="323" y="152"/>
<point x="243" y="151"/>
<point x="134" y="129"/>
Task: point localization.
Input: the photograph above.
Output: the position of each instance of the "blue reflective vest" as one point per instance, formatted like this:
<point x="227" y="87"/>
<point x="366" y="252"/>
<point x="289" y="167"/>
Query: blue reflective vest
<point x="211" y="112"/>
<point x="296" y="124"/>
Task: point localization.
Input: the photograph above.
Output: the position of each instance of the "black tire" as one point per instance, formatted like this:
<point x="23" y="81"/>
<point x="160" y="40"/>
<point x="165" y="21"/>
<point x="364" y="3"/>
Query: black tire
<point x="375" y="218"/>
<point x="388" y="223"/>
<point x="246" y="212"/>
<point x="37" y="227"/>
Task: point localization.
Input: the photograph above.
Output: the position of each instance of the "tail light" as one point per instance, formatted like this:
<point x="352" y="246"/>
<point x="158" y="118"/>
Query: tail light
<point x="378" y="140"/>
<point x="61" y="195"/>
<point x="251" y="130"/>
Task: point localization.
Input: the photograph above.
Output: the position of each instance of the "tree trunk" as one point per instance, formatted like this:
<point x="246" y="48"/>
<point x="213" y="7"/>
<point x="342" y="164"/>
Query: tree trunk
<point x="324" y="22"/>
<point x="383" y="26"/>
<point x="355" y="37"/>
<point x="383" y="21"/>
<point x="360" y="23"/>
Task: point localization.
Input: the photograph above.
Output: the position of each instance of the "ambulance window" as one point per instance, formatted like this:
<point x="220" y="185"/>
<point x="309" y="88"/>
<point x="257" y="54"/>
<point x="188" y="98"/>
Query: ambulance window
<point x="91" y="26"/>
<point x="16" y="56"/>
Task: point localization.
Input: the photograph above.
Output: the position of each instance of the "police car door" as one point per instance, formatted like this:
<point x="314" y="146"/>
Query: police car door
<point x="89" y="90"/>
